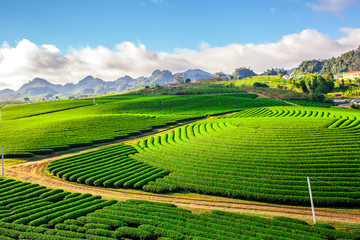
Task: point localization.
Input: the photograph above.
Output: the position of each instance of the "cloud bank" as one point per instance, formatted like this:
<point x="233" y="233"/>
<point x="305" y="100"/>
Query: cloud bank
<point x="334" y="6"/>
<point x="26" y="60"/>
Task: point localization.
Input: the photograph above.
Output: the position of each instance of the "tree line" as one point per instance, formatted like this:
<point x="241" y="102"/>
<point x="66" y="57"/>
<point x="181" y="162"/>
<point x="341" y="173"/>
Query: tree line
<point x="349" y="61"/>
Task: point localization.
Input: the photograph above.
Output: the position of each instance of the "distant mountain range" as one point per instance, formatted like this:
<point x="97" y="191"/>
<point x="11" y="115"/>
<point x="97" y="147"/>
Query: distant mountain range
<point x="40" y="88"/>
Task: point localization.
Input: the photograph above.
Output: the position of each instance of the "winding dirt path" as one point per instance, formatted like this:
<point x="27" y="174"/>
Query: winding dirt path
<point x="35" y="172"/>
<point x="265" y="96"/>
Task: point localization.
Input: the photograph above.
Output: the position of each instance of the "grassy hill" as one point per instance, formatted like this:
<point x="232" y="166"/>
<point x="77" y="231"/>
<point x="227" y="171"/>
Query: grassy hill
<point x="262" y="151"/>
<point x="41" y="128"/>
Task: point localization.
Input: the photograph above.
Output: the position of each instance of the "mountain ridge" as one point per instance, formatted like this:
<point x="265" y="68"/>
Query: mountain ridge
<point x="90" y="85"/>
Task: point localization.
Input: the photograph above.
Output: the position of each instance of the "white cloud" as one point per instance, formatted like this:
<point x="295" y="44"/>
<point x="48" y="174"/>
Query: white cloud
<point x="203" y="45"/>
<point x="26" y="60"/>
<point x="335" y="6"/>
<point x="158" y="1"/>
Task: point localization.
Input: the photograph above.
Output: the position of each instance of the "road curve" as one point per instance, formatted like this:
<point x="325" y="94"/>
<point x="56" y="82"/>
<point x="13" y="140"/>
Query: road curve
<point x="35" y="172"/>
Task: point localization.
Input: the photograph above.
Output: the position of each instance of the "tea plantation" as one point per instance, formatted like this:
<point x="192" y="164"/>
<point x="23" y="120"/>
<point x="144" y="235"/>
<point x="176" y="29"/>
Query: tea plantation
<point x="30" y="211"/>
<point x="263" y="154"/>
<point x="42" y="128"/>
<point x="262" y="150"/>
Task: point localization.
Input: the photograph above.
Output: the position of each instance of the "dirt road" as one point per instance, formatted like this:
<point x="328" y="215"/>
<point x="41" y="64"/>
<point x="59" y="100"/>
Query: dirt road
<point x="35" y="172"/>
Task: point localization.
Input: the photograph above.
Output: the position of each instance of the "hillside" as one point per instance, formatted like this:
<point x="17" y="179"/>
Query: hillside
<point x="349" y="61"/>
<point x="214" y="148"/>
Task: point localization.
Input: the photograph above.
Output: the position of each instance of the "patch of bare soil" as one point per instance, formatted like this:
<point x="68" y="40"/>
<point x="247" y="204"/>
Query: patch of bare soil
<point x="265" y="96"/>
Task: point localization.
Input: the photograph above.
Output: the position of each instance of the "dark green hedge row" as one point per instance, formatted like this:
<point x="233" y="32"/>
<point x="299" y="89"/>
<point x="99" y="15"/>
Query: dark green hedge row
<point x="81" y="210"/>
<point x="113" y="168"/>
<point x="32" y="214"/>
<point x="162" y="232"/>
<point x="100" y="218"/>
<point x="57" y="216"/>
<point x="135" y="233"/>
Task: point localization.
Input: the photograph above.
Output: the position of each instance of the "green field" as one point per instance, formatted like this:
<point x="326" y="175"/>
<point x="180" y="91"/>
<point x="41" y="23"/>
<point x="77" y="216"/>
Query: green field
<point x="42" y="128"/>
<point x="263" y="154"/>
<point x="30" y="211"/>
<point x="257" y="149"/>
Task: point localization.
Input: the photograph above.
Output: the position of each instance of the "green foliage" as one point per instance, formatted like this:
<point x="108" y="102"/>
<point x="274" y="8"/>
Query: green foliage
<point x="263" y="85"/>
<point x="287" y="219"/>
<point x="243" y="72"/>
<point x="273" y="72"/>
<point x="135" y="233"/>
<point x="323" y="225"/>
<point x="355" y="106"/>
<point x="313" y="83"/>
<point x="309" y="103"/>
<point x="349" y="61"/>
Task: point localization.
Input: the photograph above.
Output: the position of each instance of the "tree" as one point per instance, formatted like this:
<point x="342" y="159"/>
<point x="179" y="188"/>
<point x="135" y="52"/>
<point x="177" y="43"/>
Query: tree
<point x="242" y="72"/>
<point x="328" y="76"/>
<point x="220" y="76"/>
<point x="274" y="72"/>
<point x="178" y="79"/>
<point x="258" y="84"/>
<point x="26" y="99"/>
<point x="188" y="80"/>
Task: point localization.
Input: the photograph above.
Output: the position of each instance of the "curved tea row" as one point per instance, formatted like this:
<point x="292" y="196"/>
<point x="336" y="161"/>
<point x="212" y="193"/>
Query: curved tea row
<point x="108" y="167"/>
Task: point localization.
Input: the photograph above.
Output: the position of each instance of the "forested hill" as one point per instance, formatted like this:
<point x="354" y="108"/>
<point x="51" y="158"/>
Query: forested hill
<point x="349" y="61"/>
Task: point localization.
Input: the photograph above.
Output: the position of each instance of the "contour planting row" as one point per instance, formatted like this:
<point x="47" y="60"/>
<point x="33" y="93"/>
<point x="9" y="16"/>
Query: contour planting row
<point x="107" y="167"/>
<point x="263" y="159"/>
<point x="55" y="214"/>
<point x="295" y="112"/>
<point x="309" y="103"/>
<point x="182" y="134"/>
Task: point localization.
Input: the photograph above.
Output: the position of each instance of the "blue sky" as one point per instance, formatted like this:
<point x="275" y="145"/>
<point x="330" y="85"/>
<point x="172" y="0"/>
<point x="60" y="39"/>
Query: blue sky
<point x="96" y="32"/>
<point x="164" y="25"/>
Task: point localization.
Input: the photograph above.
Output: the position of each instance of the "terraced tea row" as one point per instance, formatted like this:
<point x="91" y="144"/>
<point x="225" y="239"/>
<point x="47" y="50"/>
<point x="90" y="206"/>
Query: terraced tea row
<point x="54" y="214"/>
<point x="308" y="103"/>
<point x="43" y="128"/>
<point x="108" y="167"/>
<point x="262" y="154"/>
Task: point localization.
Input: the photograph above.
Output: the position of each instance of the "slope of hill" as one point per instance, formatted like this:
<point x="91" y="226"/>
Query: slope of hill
<point x="349" y="61"/>
<point x="58" y="125"/>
